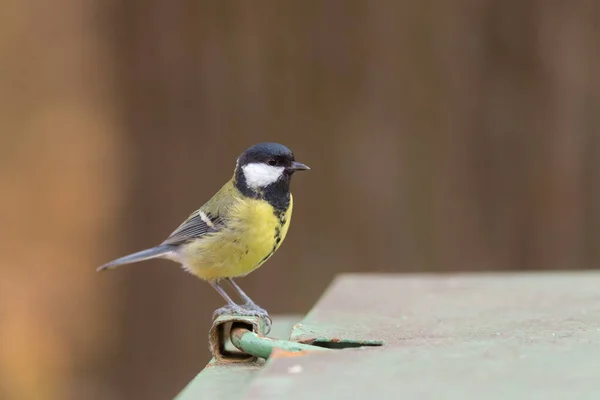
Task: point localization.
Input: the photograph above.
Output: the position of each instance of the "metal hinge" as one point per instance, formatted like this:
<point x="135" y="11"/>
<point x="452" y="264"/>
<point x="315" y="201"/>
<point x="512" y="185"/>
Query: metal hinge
<point x="235" y="338"/>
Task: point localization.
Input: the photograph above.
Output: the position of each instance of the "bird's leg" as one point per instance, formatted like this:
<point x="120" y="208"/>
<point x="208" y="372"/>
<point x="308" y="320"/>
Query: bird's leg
<point x="231" y="307"/>
<point x="248" y="303"/>
<point x="249" y="309"/>
<point x="251" y="306"/>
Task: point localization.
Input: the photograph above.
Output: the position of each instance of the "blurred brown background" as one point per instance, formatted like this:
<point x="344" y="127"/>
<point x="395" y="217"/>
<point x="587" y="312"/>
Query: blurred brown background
<point x="442" y="136"/>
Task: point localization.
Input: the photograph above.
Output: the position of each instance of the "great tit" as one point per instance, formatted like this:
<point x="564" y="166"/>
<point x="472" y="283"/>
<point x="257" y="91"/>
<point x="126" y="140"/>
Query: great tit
<point x="238" y="229"/>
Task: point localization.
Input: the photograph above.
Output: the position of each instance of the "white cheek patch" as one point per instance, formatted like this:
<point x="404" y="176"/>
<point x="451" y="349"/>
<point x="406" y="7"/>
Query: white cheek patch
<point x="260" y="175"/>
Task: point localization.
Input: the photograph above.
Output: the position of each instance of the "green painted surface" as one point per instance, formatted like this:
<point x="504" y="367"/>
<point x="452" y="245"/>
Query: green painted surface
<point x="463" y="336"/>
<point x="220" y="381"/>
<point x="417" y="310"/>
<point x="480" y="336"/>
<point x="477" y="370"/>
<point x="227" y="381"/>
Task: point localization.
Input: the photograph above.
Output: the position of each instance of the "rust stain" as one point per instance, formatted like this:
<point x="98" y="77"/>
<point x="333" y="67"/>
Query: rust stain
<point x="280" y="353"/>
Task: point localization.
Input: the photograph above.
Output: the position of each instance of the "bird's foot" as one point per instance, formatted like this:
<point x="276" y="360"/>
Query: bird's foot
<point x="259" y="312"/>
<point x="230" y="310"/>
<point x="247" y="310"/>
<point x="252" y="307"/>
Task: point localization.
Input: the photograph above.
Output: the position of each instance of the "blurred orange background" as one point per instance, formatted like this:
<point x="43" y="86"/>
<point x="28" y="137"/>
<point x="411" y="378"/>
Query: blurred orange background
<point x="442" y="136"/>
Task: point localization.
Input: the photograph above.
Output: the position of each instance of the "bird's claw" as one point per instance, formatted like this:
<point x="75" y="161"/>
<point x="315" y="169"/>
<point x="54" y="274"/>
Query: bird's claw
<point x="259" y="312"/>
<point x="247" y="310"/>
<point x="254" y="308"/>
<point x="229" y="310"/>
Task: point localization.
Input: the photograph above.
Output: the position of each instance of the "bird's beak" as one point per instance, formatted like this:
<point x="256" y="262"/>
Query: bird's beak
<point x="296" y="166"/>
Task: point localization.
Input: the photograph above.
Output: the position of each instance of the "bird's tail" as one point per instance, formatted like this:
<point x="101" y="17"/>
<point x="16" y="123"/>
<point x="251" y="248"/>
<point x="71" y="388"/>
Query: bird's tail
<point x="154" y="252"/>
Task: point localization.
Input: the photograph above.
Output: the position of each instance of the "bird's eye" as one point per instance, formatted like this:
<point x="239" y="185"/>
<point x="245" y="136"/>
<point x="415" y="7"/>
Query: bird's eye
<point x="272" y="162"/>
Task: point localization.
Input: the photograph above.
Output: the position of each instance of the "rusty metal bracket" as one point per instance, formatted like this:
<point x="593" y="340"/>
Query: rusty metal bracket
<point x="219" y="336"/>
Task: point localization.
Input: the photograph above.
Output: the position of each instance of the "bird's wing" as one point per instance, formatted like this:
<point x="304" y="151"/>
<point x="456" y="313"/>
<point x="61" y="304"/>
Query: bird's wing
<point x="197" y="225"/>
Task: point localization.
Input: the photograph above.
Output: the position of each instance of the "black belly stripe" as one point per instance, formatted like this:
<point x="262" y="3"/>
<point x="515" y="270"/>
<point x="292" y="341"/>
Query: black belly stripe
<point x="282" y="220"/>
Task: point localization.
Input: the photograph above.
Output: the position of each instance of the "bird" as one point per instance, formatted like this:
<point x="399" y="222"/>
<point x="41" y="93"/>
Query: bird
<point x="237" y="230"/>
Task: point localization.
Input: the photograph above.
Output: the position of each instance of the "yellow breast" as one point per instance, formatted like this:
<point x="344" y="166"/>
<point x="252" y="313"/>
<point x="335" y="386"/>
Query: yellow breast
<point x="252" y="234"/>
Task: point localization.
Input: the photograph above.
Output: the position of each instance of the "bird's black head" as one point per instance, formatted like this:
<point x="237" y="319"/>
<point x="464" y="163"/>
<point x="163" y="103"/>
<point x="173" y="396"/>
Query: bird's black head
<point x="265" y="170"/>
